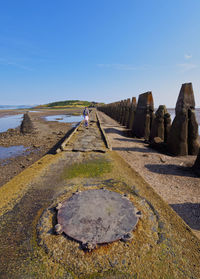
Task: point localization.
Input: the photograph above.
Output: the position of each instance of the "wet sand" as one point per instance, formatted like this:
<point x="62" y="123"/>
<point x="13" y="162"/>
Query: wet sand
<point x="43" y="140"/>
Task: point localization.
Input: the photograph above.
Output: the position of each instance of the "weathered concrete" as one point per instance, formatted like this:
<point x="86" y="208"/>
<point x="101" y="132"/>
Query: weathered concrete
<point x="123" y="108"/>
<point x="167" y="126"/>
<point x="160" y="124"/>
<point x="196" y="166"/>
<point x="127" y="112"/>
<point x="26" y="125"/>
<point x="183" y="135"/>
<point x="120" y="111"/>
<point x="143" y="116"/>
<point x="132" y="113"/>
<point x="87" y="139"/>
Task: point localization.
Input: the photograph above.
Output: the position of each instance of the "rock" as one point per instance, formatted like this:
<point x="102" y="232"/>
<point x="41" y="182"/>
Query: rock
<point x="162" y="160"/>
<point x="58" y="150"/>
<point x="157" y="140"/>
<point x="58" y="229"/>
<point x="60" y="133"/>
<point x="183" y="135"/>
<point x="158" y="144"/>
<point x="26" y="125"/>
<point x="35" y="146"/>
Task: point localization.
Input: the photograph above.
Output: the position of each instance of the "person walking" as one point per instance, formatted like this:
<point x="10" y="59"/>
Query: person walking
<point x="86" y="116"/>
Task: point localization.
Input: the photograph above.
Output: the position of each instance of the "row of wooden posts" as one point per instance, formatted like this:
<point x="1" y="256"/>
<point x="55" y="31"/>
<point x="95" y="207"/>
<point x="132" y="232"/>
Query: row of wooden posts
<point x="178" y="138"/>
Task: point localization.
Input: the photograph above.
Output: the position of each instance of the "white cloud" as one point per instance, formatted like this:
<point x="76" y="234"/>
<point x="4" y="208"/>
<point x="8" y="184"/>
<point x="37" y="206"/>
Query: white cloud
<point x="185" y="67"/>
<point x="187" y="56"/>
<point x="14" y="64"/>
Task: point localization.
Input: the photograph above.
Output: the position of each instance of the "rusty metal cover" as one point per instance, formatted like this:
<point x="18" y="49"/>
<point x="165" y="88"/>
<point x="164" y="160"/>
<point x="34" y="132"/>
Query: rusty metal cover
<point x="97" y="216"/>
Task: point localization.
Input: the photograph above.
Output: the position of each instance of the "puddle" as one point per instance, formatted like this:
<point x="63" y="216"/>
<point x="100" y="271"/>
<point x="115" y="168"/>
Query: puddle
<point x="11" y="151"/>
<point x="64" y="118"/>
<point x="10" y="122"/>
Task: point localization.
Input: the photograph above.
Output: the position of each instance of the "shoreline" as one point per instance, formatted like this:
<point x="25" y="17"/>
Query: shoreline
<point x="44" y="139"/>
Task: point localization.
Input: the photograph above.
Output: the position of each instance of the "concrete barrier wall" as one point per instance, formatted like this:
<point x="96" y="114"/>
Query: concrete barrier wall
<point x="180" y="137"/>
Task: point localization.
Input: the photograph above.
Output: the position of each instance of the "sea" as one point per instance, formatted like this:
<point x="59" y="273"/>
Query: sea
<point x="16" y="106"/>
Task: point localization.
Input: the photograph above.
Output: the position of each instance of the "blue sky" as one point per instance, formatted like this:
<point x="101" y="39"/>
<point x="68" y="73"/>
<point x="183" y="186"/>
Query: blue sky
<point x="98" y="50"/>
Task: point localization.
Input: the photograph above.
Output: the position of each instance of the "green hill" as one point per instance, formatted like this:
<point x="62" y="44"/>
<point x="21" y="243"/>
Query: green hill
<point x="69" y="103"/>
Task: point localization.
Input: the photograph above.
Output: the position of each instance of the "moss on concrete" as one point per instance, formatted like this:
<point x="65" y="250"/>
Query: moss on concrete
<point x="163" y="246"/>
<point x="13" y="191"/>
<point x="94" y="168"/>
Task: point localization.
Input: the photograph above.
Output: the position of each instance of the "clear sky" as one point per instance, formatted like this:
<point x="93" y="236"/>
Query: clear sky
<point x="98" y="50"/>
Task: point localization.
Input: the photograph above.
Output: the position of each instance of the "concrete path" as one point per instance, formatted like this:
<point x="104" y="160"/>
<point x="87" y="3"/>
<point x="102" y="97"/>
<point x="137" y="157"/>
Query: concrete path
<point x="87" y="139"/>
<point x="162" y="245"/>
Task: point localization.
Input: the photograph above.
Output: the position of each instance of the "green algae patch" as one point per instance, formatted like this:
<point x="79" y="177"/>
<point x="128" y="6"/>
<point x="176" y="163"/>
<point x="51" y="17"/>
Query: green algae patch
<point x="13" y="191"/>
<point x="94" y="168"/>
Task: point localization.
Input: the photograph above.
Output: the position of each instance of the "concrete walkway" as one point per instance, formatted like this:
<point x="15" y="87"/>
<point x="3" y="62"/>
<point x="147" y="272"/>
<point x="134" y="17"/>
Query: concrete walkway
<point x="162" y="245"/>
<point x="87" y="139"/>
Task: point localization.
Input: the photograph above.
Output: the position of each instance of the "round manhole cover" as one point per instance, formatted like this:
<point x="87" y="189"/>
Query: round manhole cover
<point x="97" y="216"/>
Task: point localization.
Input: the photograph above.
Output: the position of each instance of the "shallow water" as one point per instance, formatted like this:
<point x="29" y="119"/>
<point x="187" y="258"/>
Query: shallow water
<point x="11" y="151"/>
<point x="64" y="118"/>
<point x="10" y="122"/>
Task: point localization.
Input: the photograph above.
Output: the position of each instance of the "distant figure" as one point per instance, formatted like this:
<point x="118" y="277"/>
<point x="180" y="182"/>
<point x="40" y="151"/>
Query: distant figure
<point x="86" y="116"/>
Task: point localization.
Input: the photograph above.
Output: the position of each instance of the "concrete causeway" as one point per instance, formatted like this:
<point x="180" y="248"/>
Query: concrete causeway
<point x="87" y="139"/>
<point x="161" y="245"/>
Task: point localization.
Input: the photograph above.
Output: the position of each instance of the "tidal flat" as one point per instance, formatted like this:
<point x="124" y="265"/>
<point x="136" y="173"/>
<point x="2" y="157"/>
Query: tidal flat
<point x="44" y="139"/>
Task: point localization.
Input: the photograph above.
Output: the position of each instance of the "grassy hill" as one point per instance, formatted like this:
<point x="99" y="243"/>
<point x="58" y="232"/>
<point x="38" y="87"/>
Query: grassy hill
<point x="68" y="103"/>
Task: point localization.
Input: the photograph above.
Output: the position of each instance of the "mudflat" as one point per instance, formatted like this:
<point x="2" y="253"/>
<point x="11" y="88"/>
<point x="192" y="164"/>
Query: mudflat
<point x="44" y="139"/>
